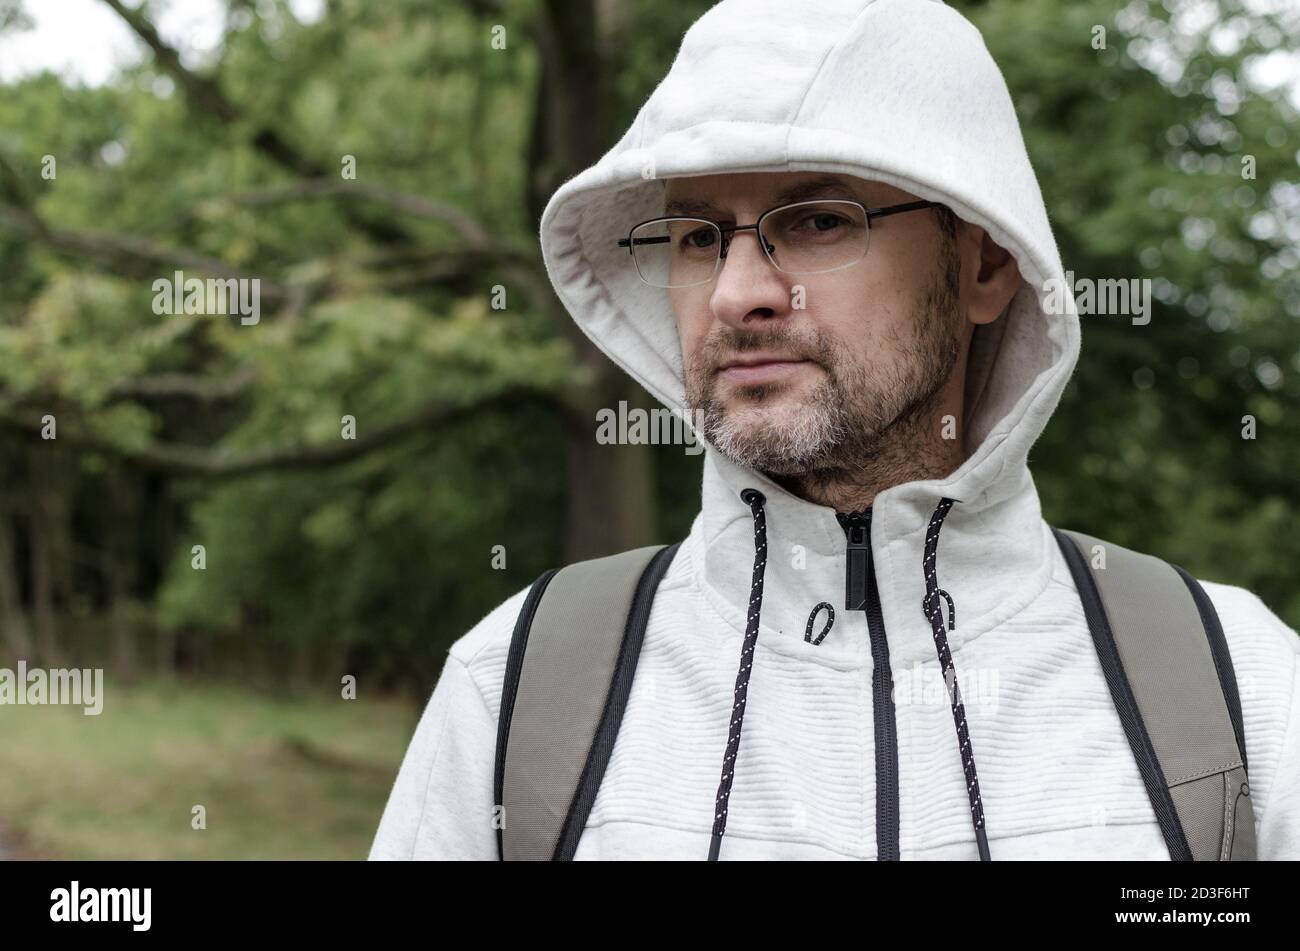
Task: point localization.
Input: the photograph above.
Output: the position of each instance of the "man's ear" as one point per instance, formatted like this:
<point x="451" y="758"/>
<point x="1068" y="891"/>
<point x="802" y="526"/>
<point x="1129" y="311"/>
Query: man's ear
<point x="990" y="276"/>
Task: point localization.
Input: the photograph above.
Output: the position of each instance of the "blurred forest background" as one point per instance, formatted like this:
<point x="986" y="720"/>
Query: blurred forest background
<point x="328" y="557"/>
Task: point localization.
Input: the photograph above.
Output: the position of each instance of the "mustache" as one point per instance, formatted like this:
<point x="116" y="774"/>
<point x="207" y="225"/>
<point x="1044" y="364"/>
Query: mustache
<point x="722" y="346"/>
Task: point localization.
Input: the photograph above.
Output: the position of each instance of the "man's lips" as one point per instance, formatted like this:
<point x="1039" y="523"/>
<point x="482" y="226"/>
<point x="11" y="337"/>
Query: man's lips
<point x="754" y="368"/>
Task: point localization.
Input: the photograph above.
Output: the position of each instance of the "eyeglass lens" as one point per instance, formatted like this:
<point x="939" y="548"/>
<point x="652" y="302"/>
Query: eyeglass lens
<point x="804" y="238"/>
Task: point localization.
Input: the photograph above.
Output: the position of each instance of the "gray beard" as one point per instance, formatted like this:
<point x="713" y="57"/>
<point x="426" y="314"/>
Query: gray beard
<point x="859" y="425"/>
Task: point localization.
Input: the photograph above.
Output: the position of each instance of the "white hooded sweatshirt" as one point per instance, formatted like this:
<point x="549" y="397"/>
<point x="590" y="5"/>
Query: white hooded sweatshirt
<point x="904" y="92"/>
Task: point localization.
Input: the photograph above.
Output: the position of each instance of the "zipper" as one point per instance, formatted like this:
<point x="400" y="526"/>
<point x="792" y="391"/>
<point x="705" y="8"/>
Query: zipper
<point x="861" y="594"/>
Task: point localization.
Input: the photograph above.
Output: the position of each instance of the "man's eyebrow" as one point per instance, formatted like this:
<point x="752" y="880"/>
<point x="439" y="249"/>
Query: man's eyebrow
<point x="802" y="191"/>
<point x="691" y="206"/>
<point x="815" y="188"/>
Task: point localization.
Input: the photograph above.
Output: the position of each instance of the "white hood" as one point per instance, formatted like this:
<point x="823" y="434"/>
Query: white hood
<point x="899" y="91"/>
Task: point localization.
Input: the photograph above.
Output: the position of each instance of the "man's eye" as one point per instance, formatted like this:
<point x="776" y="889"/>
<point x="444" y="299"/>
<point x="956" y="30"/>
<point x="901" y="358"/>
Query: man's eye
<point x="700" y="238"/>
<point x="822" y="221"/>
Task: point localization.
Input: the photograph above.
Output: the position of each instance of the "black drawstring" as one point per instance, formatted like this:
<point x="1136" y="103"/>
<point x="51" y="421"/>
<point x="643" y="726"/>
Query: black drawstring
<point x="930" y="607"/>
<point x="830" y="619"/>
<point x="754" y="499"/>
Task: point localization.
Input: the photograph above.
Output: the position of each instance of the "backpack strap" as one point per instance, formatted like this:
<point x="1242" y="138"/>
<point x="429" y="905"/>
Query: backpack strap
<point x="1170" y="675"/>
<point x="568" y="676"/>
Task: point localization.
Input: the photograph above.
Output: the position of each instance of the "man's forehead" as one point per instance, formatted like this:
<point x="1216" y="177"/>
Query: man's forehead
<point x="718" y="193"/>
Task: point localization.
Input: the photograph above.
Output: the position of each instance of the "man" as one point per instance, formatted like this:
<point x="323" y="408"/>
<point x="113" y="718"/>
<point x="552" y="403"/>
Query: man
<point x="835" y="253"/>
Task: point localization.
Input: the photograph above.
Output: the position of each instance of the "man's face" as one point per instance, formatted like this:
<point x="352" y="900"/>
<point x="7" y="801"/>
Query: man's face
<point x="799" y="373"/>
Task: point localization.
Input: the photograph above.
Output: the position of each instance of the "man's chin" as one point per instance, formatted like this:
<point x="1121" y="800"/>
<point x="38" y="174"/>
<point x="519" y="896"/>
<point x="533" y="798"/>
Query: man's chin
<point x="754" y="450"/>
<point x="779" y="437"/>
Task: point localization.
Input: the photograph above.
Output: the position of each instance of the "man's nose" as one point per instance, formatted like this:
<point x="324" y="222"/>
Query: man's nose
<point x="748" y="287"/>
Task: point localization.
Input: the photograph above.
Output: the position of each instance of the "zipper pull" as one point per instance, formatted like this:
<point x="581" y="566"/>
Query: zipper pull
<point x="857" y="527"/>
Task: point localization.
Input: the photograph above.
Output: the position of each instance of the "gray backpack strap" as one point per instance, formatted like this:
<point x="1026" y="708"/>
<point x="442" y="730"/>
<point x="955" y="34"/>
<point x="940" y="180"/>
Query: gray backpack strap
<point x="1170" y="675"/>
<point x="568" y="675"/>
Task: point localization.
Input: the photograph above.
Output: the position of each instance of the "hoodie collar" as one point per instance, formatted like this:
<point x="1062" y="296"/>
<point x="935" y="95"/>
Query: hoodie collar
<point x="993" y="559"/>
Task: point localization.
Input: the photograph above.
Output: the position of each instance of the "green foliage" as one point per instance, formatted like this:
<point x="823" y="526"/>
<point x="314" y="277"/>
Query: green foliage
<point x="386" y="559"/>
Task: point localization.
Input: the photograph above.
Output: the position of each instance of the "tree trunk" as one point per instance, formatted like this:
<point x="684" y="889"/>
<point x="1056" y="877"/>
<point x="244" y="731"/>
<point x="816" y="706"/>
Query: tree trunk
<point x="13" y="619"/>
<point x="165" y="660"/>
<point x="43" y="522"/>
<point x="610" y="493"/>
<point x="117" y="561"/>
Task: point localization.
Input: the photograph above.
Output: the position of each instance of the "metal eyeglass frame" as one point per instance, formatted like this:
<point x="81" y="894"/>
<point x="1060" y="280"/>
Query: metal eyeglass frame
<point x="869" y="215"/>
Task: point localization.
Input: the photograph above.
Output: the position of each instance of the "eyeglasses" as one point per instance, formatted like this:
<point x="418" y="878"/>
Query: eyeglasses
<point x="807" y="237"/>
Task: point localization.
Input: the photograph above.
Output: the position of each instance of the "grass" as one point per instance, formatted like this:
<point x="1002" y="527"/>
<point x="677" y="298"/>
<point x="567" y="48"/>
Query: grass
<point x="279" y="778"/>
